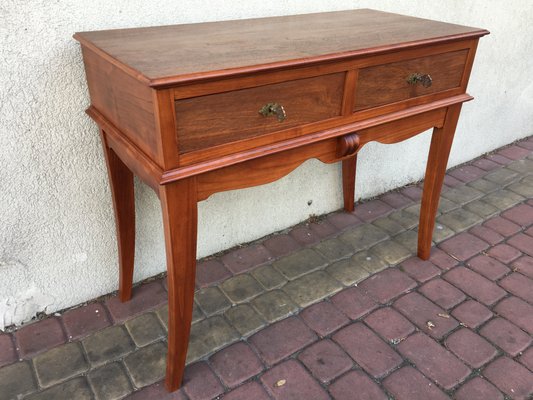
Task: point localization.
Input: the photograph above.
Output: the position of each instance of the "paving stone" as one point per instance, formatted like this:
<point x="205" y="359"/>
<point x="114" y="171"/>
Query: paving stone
<point x="502" y="176"/>
<point x="334" y="249"/>
<point x="462" y="194"/>
<point x="323" y="318"/>
<point x="482" y="209"/>
<point x="418" y="269"/>
<point x="521" y="214"/>
<point x="209" y="335"/>
<point x="408" y="239"/>
<point x="506" y="336"/>
<point x="514" y="152"/>
<point x="298" y="383"/>
<point x="488" y="267"/>
<point x="343" y="388"/>
<point x="245" y="319"/>
<point x="212" y="301"/>
<point x="498" y="158"/>
<point x="59" y="364"/>
<point x="305" y="235"/>
<point x="441" y="232"/>
<point x="504" y="253"/>
<point x="343" y="220"/>
<point x="472" y="314"/>
<point x="459" y="220"/>
<point x="517" y="311"/>
<point x="8" y="354"/>
<point x="391" y="252"/>
<point x="353" y="302"/>
<point x="503" y="226"/>
<point x="484" y="186"/>
<point x="311" y="288"/>
<point x="522" y="242"/>
<point x="526" y="144"/>
<point x="147" y="365"/>
<point x="200" y="383"/>
<point x="275" y="305"/>
<point x="478" y="389"/>
<point x="369" y="262"/>
<point x="409" y="384"/>
<point x="145" y="329"/>
<point x="446" y="205"/>
<point x="395" y="200"/>
<point x="524" y="265"/>
<point x="82" y="321"/>
<point x="157" y="391"/>
<point x="241" y="288"/>
<point x="441" y="259"/>
<point x="76" y="388"/>
<point x="405" y="219"/>
<point x="467" y="173"/>
<point x="389" y="324"/>
<point x="371" y="210"/>
<point x="246" y="258"/>
<point x="269" y="277"/>
<point x="485" y="164"/>
<point x="471" y="348"/>
<point x="300" y="263"/>
<point x="162" y="314"/>
<point x="325" y="360"/>
<point x="281" y="244"/>
<point x="434" y="361"/>
<point x="442" y="293"/>
<point x="363" y="236"/>
<point x="248" y="391"/>
<point x="347" y="271"/>
<point x="280" y="340"/>
<point x="388" y="284"/>
<point x="503" y="199"/>
<point x="519" y="285"/>
<point x="110" y="382"/>
<point x="323" y="228"/>
<point x="522" y="188"/>
<point x="420" y="311"/>
<point x="475" y="285"/>
<point x="16" y="379"/>
<point x="486" y="234"/>
<point x="527" y="358"/>
<point x="463" y="246"/>
<point x="413" y="192"/>
<point x="414" y="209"/>
<point x="388" y="225"/>
<point x="210" y="272"/>
<point x="39" y="336"/>
<point x="108" y="344"/>
<point x="145" y="297"/>
<point x="235" y="364"/>
<point x="450" y="182"/>
<point x="367" y="349"/>
<point x="510" y="377"/>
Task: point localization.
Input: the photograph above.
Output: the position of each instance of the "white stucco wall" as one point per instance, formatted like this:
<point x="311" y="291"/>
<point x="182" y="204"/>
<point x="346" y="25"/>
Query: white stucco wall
<point x="57" y="235"/>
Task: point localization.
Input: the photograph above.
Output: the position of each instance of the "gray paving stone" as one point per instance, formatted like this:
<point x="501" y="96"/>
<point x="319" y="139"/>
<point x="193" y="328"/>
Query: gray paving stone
<point x="369" y="262"/>
<point x="523" y="167"/>
<point x="484" y="185"/>
<point x="391" y="252"/>
<point x="405" y="219"/>
<point x="462" y="194"/>
<point x="441" y="232"/>
<point x="209" y="335"/>
<point x="479" y="207"/>
<point x="245" y="319"/>
<point x="241" y="288"/>
<point x="60" y="364"/>
<point x="162" y="314"/>
<point x="110" y="382"/>
<point x="503" y="199"/>
<point x="212" y="301"/>
<point x="446" y="205"/>
<point x="75" y="389"/>
<point x="334" y="249"/>
<point x="300" y="263"/>
<point x="147" y="365"/>
<point x="459" y="220"/>
<point x="107" y="345"/>
<point x="408" y="239"/>
<point x="145" y="329"/>
<point x="363" y="236"/>
<point x="528" y="179"/>
<point x="348" y="271"/>
<point x="311" y="288"/>
<point x="388" y="225"/>
<point x="269" y="277"/>
<point x="274" y="305"/>
<point x="502" y="176"/>
<point x="522" y="188"/>
<point x="414" y="209"/>
<point x="16" y="379"/>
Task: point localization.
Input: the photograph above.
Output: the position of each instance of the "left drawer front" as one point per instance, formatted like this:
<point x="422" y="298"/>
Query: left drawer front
<point x="221" y="118"/>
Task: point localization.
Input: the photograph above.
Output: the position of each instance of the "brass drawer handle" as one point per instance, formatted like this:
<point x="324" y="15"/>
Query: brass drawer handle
<point x="273" y="109"/>
<point x="424" y="79"/>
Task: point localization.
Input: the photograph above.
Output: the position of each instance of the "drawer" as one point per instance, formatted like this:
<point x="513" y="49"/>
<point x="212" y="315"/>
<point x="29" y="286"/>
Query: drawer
<point x="393" y="82"/>
<point x="216" y="119"/>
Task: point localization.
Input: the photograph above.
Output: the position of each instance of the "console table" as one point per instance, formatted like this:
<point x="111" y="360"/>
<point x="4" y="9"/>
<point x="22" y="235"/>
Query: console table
<point x="201" y="108"/>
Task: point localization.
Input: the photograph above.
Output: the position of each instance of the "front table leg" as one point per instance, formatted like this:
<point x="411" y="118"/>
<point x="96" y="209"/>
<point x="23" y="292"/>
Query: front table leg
<point x="348" y="182"/>
<point x="441" y="143"/>
<point x="180" y="214"/>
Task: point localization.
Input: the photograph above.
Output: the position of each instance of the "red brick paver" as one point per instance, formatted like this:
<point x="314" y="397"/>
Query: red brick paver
<point x="409" y="384"/>
<point x="463" y="246"/>
<point x="511" y="378"/>
<point x="235" y="364"/>
<point x="325" y="360"/>
<point x="324" y="318"/>
<point x="344" y="388"/>
<point x="39" y="336"/>
<point x="82" y="321"/>
<point x="478" y="389"/>
<point x="144" y="298"/>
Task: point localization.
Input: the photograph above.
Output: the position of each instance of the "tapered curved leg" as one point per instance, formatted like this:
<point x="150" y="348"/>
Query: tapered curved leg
<point x="180" y="213"/>
<point x="122" y="190"/>
<point x="441" y="143"/>
<point x="348" y="182"/>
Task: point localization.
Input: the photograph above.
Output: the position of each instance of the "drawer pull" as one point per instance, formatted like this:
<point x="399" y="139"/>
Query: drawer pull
<point x="424" y="79"/>
<point x="273" y="109"/>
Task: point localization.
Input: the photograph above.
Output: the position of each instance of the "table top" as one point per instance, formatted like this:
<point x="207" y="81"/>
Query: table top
<point x="177" y="53"/>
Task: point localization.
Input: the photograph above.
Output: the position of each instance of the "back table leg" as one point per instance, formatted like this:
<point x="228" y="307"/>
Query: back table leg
<point x="441" y="143"/>
<point x="180" y="213"/>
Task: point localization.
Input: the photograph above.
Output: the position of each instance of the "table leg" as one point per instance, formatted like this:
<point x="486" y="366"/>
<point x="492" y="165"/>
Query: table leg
<point x="180" y="213"/>
<point x="441" y="143"/>
<point x="122" y="191"/>
<point x="348" y="182"/>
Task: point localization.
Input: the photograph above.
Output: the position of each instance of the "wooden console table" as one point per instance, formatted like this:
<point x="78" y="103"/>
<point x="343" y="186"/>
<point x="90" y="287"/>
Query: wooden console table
<point x="202" y="108"/>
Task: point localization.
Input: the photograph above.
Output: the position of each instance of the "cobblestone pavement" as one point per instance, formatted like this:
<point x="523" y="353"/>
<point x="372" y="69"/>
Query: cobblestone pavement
<point x="339" y="308"/>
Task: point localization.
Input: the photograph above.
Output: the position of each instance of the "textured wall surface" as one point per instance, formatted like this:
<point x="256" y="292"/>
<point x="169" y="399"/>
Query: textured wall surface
<point x="57" y="243"/>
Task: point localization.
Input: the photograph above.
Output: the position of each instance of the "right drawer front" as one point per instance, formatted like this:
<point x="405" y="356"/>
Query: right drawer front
<point x="393" y="82"/>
